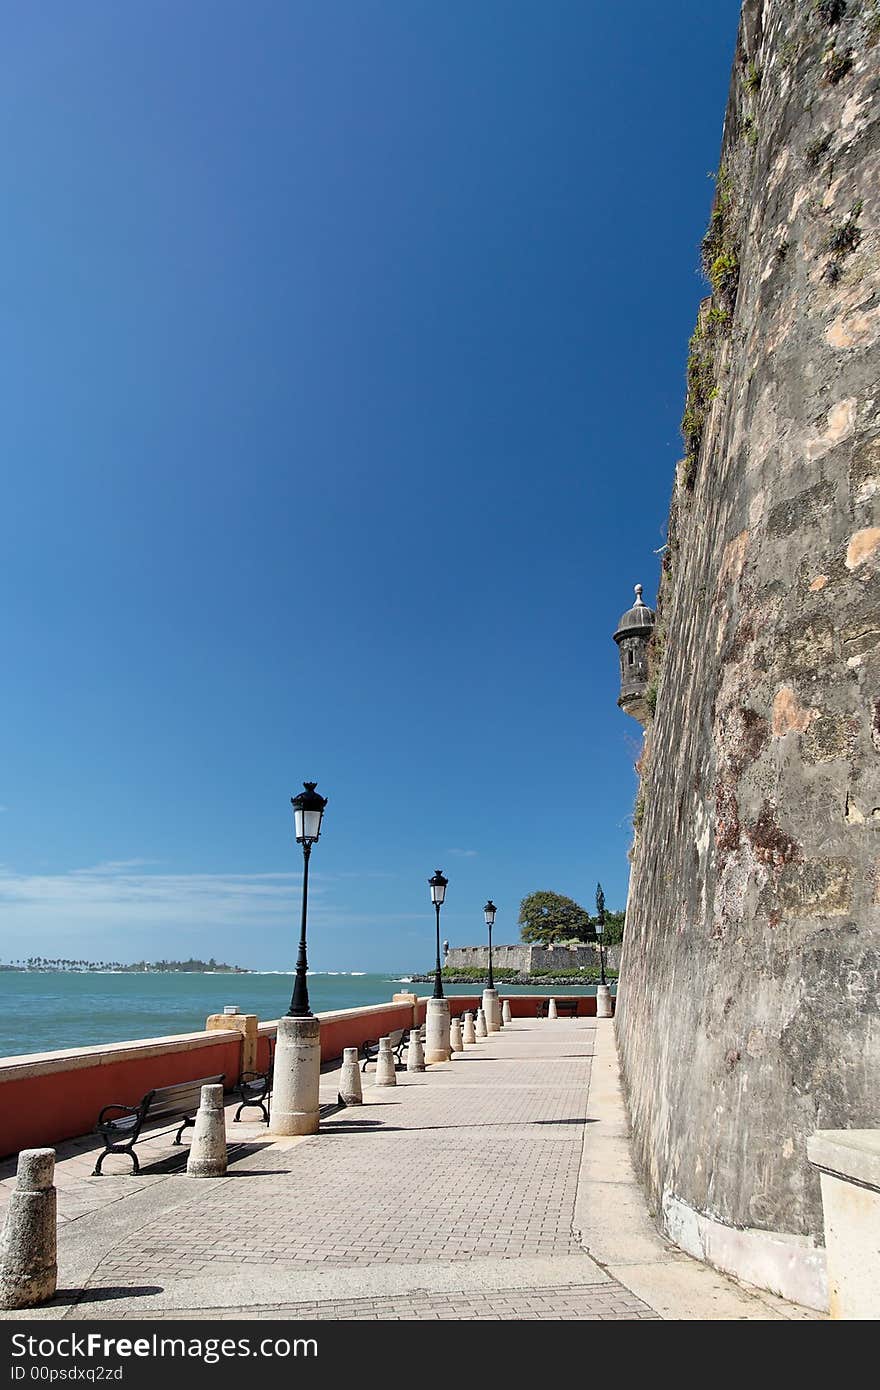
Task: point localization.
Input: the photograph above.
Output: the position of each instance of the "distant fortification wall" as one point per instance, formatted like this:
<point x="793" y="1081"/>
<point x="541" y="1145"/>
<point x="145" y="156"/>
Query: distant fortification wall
<point x="528" y="958"/>
<point x="748" y="1013"/>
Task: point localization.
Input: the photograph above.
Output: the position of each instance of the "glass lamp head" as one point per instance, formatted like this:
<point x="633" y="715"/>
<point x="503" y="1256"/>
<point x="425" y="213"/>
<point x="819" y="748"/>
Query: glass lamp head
<point x="437" y="885"/>
<point x="308" y="813"/>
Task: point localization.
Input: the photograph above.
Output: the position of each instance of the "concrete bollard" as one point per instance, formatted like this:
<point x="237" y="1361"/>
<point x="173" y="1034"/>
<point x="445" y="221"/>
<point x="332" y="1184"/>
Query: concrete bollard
<point x="505" y="1012"/>
<point x="481" y="1029"/>
<point x="467" y="1034"/>
<point x="297" y="1077"/>
<point x="499" y="1015"/>
<point x="350" y="1089"/>
<point x="385" y="1071"/>
<point x="603" y="1001"/>
<point x="455" y="1042"/>
<point x="491" y="1010"/>
<point x="437" y="1031"/>
<point x="28" y="1245"/>
<point x="415" y="1053"/>
<point x="551" y="1009"/>
<point x="207" y="1154"/>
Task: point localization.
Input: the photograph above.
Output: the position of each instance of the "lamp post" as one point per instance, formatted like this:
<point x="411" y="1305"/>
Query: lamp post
<point x="437" y="885"/>
<point x="297" y="1072"/>
<point x="308" y="812"/>
<point x="437" y="1048"/>
<point x="603" y="993"/>
<point x="489" y="913"/>
<point x="491" y="1008"/>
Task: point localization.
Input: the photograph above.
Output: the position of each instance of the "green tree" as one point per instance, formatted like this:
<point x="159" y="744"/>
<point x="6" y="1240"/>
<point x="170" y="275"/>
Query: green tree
<point x="614" y="928"/>
<point x="549" y="918"/>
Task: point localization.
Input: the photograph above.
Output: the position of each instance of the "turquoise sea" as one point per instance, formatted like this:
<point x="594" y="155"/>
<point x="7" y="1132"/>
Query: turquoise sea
<point x="42" y="1011"/>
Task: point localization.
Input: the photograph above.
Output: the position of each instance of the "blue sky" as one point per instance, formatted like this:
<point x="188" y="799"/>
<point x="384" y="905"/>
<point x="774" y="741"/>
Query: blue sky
<point x="343" y="362"/>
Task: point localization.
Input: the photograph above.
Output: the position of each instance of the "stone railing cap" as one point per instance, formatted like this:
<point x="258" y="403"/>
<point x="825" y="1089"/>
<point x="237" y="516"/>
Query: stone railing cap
<point x="851" y="1153"/>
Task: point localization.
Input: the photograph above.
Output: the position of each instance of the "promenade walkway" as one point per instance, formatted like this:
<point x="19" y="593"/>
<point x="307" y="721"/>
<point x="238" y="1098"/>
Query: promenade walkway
<point x="495" y="1186"/>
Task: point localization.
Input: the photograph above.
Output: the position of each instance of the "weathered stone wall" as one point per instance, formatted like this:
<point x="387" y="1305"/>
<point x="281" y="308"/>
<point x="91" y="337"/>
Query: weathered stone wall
<point x="748" y="1013"/>
<point x="528" y="958"/>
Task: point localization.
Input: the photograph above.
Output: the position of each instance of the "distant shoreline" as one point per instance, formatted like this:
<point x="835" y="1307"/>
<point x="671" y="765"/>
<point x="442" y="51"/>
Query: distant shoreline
<point x="171" y="968"/>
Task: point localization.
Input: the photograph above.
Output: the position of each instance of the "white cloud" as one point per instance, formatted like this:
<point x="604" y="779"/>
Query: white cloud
<point x="123" y="910"/>
<point x="463" y="853"/>
<point x="119" y="893"/>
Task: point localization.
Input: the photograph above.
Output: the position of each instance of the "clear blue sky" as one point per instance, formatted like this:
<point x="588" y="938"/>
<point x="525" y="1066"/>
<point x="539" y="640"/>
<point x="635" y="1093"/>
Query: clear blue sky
<point x="343" y="363"/>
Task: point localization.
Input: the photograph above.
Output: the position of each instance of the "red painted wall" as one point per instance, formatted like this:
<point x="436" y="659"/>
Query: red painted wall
<point x="523" y="1005"/>
<point x="349" y="1029"/>
<point x="526" y="1005"/>
<point x="38" y="1110"/>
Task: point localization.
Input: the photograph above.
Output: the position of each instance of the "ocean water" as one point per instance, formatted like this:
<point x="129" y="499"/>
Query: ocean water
<point x="40" y="1012"/>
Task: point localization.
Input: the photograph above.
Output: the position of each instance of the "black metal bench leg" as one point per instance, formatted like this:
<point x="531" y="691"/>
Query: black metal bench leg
<point x="187" y="1122"/>
<point x="135" y="1165"/>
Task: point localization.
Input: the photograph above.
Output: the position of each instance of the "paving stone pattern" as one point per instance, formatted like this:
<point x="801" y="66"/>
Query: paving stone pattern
<point x="478" y="1159"/>
<point x="571" y="1302"/>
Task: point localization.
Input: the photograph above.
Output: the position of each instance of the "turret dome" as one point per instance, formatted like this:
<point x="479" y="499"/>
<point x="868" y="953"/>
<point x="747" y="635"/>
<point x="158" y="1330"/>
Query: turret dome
<point x="636" y="621"/>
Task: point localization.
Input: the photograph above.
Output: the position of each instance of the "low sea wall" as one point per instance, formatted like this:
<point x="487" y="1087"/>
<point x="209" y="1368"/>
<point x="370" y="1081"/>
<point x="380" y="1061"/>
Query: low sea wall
<point x="49" y="1096"/>
<point x="46" y="1097"/>
<point x="349" y="1028"/>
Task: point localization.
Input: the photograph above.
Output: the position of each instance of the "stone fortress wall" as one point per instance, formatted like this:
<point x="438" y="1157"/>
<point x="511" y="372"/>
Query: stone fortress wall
<point x="526" y="959"/>
<point x="748" y="1013"/>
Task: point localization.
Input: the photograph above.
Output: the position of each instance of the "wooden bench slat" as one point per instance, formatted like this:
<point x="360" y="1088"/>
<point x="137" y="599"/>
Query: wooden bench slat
<point x="186" y="1088"/>
<point x="184" y="1096"/>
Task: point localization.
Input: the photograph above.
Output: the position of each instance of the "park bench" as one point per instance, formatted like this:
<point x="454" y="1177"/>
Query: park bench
<point x="370" y="1049"/>
<point x="399" y="1040"/>
<point x="121" y="1132"/>
<point x="255" y="1088"/>
<point x="563" y="1006"/>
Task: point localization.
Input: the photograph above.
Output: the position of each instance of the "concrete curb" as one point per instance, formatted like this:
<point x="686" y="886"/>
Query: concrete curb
<point x="616" y="1228"/>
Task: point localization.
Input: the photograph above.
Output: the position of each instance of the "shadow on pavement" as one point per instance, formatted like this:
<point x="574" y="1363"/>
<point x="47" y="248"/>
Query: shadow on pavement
<point x="105" y="1295"/>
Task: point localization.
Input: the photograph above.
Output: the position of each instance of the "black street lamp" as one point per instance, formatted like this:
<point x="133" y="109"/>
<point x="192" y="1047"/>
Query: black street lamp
<point x="600" y="930"/>
<point x="489" y="913"/>
<point x="308" y="812"/>
<point x="437" y="885"/>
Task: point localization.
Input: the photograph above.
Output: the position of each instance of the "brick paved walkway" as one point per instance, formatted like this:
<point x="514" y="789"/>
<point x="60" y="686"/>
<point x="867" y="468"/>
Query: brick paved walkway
<point x="453" y="1195"/>
<point x="443" y="1167"/>
<point x="569" y="1302"/>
